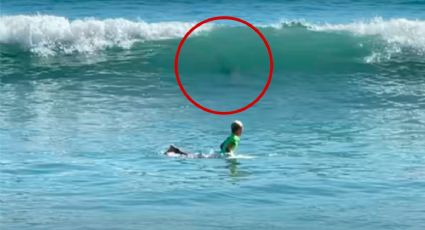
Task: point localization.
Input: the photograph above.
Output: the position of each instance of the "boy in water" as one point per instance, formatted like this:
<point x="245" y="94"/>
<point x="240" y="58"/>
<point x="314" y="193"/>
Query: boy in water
<point x="227" y="148"/>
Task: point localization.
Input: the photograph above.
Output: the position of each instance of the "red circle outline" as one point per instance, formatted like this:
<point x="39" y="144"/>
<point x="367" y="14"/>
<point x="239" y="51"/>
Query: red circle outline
<point x="176" y="65"/>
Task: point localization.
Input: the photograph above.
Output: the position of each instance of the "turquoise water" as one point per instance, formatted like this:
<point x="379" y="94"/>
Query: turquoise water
<point x="90" y="103"/>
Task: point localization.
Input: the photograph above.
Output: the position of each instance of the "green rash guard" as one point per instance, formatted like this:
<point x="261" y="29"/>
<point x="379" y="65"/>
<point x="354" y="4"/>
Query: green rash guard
<point x="232" y="139"/>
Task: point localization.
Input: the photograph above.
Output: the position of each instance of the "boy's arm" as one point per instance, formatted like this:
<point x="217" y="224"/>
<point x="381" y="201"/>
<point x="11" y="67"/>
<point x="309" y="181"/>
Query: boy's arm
<point x="229" y="149"/>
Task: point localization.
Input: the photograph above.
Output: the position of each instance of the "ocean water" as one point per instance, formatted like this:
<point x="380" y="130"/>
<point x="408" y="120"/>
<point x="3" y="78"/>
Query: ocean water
<point x="89" y="102"/>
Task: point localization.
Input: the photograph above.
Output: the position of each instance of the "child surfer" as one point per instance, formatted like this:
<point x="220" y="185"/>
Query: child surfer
<point x="227" y="148"/>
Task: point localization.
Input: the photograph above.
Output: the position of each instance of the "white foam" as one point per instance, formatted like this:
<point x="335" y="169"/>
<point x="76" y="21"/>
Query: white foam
<point x="47" y="35"/>
<point x="398" y="30"/>
<point x="397" y="33"/>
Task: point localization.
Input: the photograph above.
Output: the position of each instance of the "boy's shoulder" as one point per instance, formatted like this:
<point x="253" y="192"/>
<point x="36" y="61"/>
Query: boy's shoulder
<point x="235" y="137"/>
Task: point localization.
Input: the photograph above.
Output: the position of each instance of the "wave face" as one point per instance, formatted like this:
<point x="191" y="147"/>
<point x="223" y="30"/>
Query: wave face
<point x="296" y="45"/>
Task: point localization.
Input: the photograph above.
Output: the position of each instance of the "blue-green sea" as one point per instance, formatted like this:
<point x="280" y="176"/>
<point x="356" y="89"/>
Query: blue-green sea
<point x="89" y="102"/>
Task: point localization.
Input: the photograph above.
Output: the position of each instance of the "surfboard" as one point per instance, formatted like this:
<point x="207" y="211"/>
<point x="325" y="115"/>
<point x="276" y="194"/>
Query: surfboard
<point x="240" y="156"/>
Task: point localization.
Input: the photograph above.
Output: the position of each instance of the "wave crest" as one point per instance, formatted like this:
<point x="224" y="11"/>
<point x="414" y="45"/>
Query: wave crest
<point x="47" y="35"/>
<point x="377" y="40"/>
<point x="397" y="34"/>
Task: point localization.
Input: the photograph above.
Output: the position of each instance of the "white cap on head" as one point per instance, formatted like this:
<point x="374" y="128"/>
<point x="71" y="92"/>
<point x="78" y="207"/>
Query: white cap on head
<point x="238" y="122"/>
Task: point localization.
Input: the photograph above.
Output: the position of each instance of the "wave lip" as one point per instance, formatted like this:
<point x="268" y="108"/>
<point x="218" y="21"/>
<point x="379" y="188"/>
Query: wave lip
<point x="371" y="41"/>
<point x="47" y="35"/>
<point x="402" y="31"/>
<point x="398" y="30"/>
<point x="397" y="33"/>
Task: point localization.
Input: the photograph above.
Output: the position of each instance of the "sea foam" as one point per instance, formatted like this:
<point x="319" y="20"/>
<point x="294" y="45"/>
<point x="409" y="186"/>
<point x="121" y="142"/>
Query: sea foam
<point x="397" y="34"/>
<point x="47" y="35"/>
